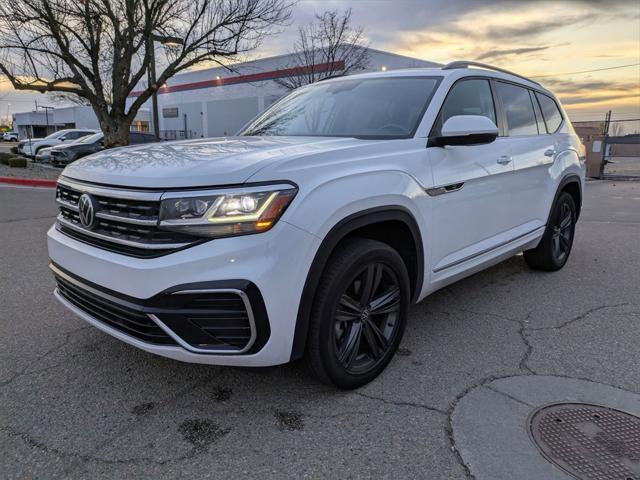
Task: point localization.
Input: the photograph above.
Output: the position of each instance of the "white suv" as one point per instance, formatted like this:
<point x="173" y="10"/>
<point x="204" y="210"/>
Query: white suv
<point x="312" y="231"/>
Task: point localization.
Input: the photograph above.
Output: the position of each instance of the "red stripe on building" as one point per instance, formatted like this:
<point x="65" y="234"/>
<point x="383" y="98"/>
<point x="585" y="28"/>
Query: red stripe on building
<point x="254" y="77"/>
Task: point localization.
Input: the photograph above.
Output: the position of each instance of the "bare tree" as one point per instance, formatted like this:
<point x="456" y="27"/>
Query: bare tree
<point x="327" y="47"/>
<point x="101" y="50"/>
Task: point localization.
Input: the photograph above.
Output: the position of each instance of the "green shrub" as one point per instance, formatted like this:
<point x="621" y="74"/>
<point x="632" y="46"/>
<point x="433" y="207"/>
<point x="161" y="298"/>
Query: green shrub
<point x="18" y="162"/>
<point x="4" y="157"/>
<point x="14" y="150"/>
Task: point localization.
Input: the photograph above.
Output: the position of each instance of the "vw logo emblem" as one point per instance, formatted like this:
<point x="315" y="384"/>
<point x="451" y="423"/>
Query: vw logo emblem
<point x="87" y="207"/>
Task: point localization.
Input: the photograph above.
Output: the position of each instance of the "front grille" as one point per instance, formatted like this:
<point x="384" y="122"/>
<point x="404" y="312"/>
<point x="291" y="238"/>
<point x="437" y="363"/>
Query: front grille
<point x="123" y="225"/>
<point x="115" y="315"/>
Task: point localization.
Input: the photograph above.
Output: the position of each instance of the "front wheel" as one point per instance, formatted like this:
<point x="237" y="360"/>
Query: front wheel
<point x="359" y="313"/>
<point x="554" y="248"/>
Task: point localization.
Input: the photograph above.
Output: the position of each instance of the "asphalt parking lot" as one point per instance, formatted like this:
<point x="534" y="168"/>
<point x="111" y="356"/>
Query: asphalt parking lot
<point x="76" y="403"/>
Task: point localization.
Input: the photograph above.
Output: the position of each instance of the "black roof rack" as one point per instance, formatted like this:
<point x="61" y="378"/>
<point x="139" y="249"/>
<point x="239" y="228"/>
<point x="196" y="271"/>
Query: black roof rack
<point x="467" y="64"/>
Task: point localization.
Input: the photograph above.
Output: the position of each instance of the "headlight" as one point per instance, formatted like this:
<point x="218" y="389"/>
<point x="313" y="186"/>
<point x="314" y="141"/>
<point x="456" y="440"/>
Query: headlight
<point x="225" y="213"/>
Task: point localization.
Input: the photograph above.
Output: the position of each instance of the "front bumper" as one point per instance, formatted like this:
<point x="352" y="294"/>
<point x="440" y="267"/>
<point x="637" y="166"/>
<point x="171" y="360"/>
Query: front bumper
<point x="275" y="262"/>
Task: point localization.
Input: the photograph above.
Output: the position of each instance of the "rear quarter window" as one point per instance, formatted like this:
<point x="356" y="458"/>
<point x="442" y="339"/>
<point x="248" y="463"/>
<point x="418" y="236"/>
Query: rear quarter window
<point x="550" y="112"/>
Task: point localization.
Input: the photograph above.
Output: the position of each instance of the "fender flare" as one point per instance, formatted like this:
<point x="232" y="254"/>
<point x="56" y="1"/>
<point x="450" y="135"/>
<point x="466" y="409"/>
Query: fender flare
<point x="566" y="180"/>
<point x="337" y="233"/>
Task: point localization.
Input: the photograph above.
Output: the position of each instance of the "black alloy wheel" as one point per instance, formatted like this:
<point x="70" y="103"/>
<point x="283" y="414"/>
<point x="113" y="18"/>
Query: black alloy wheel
<point x="359" y="313"/>
<point x="366" y="318"/>
<point x="562" y="232"/>
<point x="555" y="246"/>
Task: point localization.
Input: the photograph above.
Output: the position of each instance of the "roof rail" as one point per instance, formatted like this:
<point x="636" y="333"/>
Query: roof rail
<point x="467" y="64"/>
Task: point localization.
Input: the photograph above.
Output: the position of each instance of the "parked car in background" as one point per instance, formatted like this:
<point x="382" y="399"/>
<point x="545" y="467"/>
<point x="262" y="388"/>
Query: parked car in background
<point x="10" y="137"/>
<point x="313" y="231"/>
<point x="62" y="155"/>
<point x="43" y="155"/>
<point x="30" y="147"/>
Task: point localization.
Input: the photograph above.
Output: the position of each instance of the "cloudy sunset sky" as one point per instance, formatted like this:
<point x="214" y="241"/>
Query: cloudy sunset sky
<point x="547" y="40"/>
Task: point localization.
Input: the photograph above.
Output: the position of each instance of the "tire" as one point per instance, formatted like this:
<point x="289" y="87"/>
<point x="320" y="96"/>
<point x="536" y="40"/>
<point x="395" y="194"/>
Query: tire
<point x="553" y="251"/>
<point x="354" y="330"/>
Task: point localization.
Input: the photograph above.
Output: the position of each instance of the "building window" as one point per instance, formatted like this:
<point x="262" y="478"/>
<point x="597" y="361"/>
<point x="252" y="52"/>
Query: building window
<point x="140" y="126"/>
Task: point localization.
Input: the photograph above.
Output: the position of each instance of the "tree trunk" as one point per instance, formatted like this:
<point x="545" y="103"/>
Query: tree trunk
<point x="116" y="131"/>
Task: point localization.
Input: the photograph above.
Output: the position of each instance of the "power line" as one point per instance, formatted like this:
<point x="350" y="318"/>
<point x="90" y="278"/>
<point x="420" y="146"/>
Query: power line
<point x="587" y="71"/>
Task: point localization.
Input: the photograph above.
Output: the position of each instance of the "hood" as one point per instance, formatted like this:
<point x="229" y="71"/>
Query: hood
<point x="196" y="163"/>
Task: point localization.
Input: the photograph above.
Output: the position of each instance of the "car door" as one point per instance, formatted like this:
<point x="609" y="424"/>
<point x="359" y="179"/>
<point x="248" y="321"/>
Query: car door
<point x="471" y="193"/>
<point x="533" y="154"/>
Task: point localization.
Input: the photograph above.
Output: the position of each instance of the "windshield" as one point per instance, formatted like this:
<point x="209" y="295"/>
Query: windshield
<point x="363" y="108"/>
<point x="92" y="138"/>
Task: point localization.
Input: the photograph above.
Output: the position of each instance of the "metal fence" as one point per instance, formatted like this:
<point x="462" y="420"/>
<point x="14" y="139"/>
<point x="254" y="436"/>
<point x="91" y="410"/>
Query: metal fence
<point x="177" y="134"/>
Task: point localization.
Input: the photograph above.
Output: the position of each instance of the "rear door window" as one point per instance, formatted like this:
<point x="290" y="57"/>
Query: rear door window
<point x="518" y="109"/>
<point x="550" y="112"/>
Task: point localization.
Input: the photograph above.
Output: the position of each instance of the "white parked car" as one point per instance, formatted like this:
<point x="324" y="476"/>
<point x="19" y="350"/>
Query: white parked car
<point x="312" y="231"/>
<point x="31" y="147"/>
<point x="10" y="136"/>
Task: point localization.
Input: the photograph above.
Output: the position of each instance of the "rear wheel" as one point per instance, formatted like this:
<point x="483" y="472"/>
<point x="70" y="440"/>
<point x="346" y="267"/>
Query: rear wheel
<point x="359" y="313"/>
<point x="554" y="248"/>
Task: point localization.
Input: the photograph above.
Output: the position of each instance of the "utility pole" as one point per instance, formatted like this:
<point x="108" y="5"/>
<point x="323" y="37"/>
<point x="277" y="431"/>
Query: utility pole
<point x="607" y="123"/>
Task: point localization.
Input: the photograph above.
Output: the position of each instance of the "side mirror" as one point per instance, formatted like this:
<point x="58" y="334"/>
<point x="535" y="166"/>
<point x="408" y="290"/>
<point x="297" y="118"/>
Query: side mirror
<point x="63" y="138"/>
<point x="465" y="130"/>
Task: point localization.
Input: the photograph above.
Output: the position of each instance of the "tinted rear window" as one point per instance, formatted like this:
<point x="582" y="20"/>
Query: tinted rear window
<point x="550" y="112"/>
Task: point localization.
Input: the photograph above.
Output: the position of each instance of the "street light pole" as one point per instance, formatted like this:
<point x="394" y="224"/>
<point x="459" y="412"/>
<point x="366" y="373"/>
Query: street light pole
<point x="165" y="40"/>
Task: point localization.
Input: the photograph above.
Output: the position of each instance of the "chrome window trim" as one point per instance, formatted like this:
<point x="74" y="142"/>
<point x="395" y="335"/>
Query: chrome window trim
<point x="156" y="246"/>
<point x="247" y="305"/>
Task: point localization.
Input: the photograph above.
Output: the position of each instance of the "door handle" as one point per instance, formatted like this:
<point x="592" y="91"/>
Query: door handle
<point x="504" y="160"/>
<point x="550" y="152"/>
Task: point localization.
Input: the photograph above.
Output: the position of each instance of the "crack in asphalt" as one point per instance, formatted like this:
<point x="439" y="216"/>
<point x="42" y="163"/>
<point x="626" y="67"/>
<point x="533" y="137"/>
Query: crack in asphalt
<point x="401" y="403"/>
<point x="25" y="370"/>
<point x="577" y="318"/>
<point x="449" y="421"/>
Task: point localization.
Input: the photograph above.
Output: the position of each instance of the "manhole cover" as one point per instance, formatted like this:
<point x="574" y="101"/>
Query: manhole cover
<point x="589" y="441"/>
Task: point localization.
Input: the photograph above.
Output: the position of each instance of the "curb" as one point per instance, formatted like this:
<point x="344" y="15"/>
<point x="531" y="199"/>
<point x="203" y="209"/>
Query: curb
<point x="29" y="182"/>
